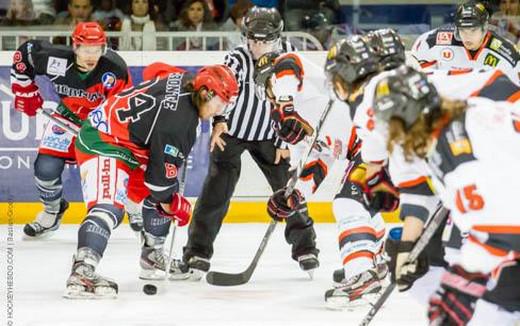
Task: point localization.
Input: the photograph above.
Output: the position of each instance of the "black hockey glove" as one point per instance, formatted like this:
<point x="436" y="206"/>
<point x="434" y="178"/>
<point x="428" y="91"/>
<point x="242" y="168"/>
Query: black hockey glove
<point x="289" y="125"/>
<point x="382" y="195"/>
<point x="280" y="208"/>
<point x="402" y="273"/>
<point x="454" y="302"/>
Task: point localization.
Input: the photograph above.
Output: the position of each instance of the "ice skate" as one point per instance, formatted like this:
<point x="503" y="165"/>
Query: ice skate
<point x="45" y="223"/>
<point x="193" y="270"/>
<point x="85" y="283"/>
<point x="359" y="290"/>
<point x="308" y="263"/>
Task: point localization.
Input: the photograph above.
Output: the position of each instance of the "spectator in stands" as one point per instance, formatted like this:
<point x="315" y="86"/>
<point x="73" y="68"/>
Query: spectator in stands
<point x="195" y="16"/>
<point x="234" y="22"/>
<point x="507" y="20"/>
<point x="295" y="10"/>
<point x="142" y="19"/>
<point x="20" y="13"/>
<point x="45" y="12"/>
<point x="107" y="11"/>
<point x="77" y="11"/>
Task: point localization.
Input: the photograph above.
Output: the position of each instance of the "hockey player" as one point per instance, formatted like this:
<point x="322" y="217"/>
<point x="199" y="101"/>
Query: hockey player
<point x="460" y="140"/>
<point x="469" y="44"/>
<point x="361" y="228"/>
<point x="153" y="124"/>
<point x="83" y="76"/>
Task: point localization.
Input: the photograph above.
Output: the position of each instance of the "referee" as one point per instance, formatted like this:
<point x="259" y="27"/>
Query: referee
<point x="248" y="128"/>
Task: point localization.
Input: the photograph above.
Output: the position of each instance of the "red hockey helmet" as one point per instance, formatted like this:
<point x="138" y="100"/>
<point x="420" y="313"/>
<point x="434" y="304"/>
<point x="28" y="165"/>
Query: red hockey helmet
<point x="218" y="79"/>
<point x="89" y="33"/>
<point x="161" y="70"/>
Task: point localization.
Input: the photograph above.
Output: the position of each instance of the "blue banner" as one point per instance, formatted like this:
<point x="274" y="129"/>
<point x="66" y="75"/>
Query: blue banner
<point x="20" y="136"/>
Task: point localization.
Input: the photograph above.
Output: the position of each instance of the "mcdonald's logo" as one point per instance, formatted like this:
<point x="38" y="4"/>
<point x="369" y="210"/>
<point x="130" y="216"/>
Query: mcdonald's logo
<point x="491" y="60"/>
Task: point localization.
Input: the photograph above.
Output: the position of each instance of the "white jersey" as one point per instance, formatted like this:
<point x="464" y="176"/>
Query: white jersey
<point x="474" y="161"/>
<point x="310" y="101"/>
<point x="439" y="49"/>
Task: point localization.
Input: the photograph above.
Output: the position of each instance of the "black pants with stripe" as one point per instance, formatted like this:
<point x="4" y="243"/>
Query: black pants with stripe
<point x="219" y="185"/>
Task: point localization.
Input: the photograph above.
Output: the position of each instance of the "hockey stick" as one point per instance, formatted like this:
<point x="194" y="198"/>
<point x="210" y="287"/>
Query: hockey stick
<point x="228" y="279"/>
<point x="440" y="214"/>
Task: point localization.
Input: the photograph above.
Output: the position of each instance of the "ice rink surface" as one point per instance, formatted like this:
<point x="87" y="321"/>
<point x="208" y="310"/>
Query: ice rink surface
<point x="278" y="293"/>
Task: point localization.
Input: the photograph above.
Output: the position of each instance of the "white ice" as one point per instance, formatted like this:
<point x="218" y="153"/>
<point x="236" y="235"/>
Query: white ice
<point x="278" y="293"/>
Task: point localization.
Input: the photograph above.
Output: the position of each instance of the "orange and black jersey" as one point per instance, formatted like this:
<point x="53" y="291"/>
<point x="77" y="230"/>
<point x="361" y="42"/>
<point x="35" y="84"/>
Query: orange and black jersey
<point x="152" y="124"/>
<point x="79" y="92"/>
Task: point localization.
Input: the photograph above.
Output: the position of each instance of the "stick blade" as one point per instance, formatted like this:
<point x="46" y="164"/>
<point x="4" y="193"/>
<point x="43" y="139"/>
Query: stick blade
<point x="225" y="279"/>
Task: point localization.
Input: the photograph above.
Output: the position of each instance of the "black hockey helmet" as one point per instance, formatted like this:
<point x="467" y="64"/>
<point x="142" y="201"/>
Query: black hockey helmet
<point x="471" y="14"/>
<point x="262" y="24"/>
<point x="351" y="59"/>
<point x="406" y="94"/>
<point x="387" y="44"/>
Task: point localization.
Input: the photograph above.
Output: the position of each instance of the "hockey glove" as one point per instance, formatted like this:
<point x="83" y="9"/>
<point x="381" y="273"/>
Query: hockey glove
<point x="27" y="99"/>
<point x="280" y="208"/>
<point x="315" y="171"/>
<point x="178" y="209"/>
<point x="381" y="194"/>
<point x="403" y="273"/>
<point x="289" y="125"/>
<point x="454" y="302"/>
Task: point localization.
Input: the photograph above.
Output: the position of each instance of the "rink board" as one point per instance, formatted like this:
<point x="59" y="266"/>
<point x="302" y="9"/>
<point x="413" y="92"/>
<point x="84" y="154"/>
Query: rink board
<point x="20" y="135"/>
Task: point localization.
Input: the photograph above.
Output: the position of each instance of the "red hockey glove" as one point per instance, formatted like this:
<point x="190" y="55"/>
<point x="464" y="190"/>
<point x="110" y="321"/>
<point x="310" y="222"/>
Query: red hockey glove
<point x="27" y="99"/>
<point x="289" y="125"/>
<point x="280" y="208"/>
<point x="454" y="302"/>
<point x="179" y="209"/>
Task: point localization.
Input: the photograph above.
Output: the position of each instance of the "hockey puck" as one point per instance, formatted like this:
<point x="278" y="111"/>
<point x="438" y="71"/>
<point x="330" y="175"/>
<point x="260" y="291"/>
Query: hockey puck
<point x="149" y="289"/>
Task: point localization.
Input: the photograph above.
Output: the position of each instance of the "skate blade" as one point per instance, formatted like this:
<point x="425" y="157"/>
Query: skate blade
<point x="311" y="274"/>
<point x="79" y="293"/>
<point x="344" y="303"/>
<point x="152" y="274"/>
<point x="43" y="236"/>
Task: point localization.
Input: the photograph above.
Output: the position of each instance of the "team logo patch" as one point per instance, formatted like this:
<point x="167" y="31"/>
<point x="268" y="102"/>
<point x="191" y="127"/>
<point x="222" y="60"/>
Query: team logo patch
<point x="495" y="44"/>
<point x="447" y="54"/>
<point x="17" y="57"/>
<point x="108" y="80"/>
<point x="57" y="130"/>
<point x="171" y="150"/>
<point x="56" y="66"/>
<point x="99" y="120"/>
<point x="21" y="67"/>
<point x="491" y="60"/>
<point x="171" y="170"/>
<point x="461" y="146"/>
<point x="444" y="38"/>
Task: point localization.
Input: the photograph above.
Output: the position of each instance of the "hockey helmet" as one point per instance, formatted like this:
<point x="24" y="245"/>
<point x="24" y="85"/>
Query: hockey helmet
<point x="471" y="14"/>
<point x="218" y="80"/>
<point x="351" y="59"/>
<point x="406" y="94"/>
<point x="89" y="33"/>
<point x="388" y="46"/>
<point x="262" y="24"/>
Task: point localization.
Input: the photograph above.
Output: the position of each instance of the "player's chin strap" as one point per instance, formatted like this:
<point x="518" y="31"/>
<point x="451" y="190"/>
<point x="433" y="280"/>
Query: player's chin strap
<point x="438" y="217"/>
<point x="229" y="279"/>
<point x="73" y="129"/>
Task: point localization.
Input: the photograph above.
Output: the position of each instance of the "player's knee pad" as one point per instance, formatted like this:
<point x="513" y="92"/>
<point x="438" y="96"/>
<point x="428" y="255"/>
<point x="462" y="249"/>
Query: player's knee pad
<point x="48" y="168"/>
<point x="95" y="230"/>
<point x="153" y="222"/>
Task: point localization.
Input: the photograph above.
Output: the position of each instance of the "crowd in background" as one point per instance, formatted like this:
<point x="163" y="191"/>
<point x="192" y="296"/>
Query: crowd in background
<point x="320" y="18"/>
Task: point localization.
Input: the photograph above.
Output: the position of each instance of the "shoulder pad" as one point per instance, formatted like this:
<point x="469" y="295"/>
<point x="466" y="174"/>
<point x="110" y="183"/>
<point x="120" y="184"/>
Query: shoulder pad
<point x="505" y="48"/>
<point x="289" y="63"/>
<point x="114" y="62"/>
<point x="452" y="149"/>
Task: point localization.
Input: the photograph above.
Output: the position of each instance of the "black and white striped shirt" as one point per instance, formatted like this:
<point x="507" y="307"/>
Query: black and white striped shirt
<point x="250" y="118"/>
